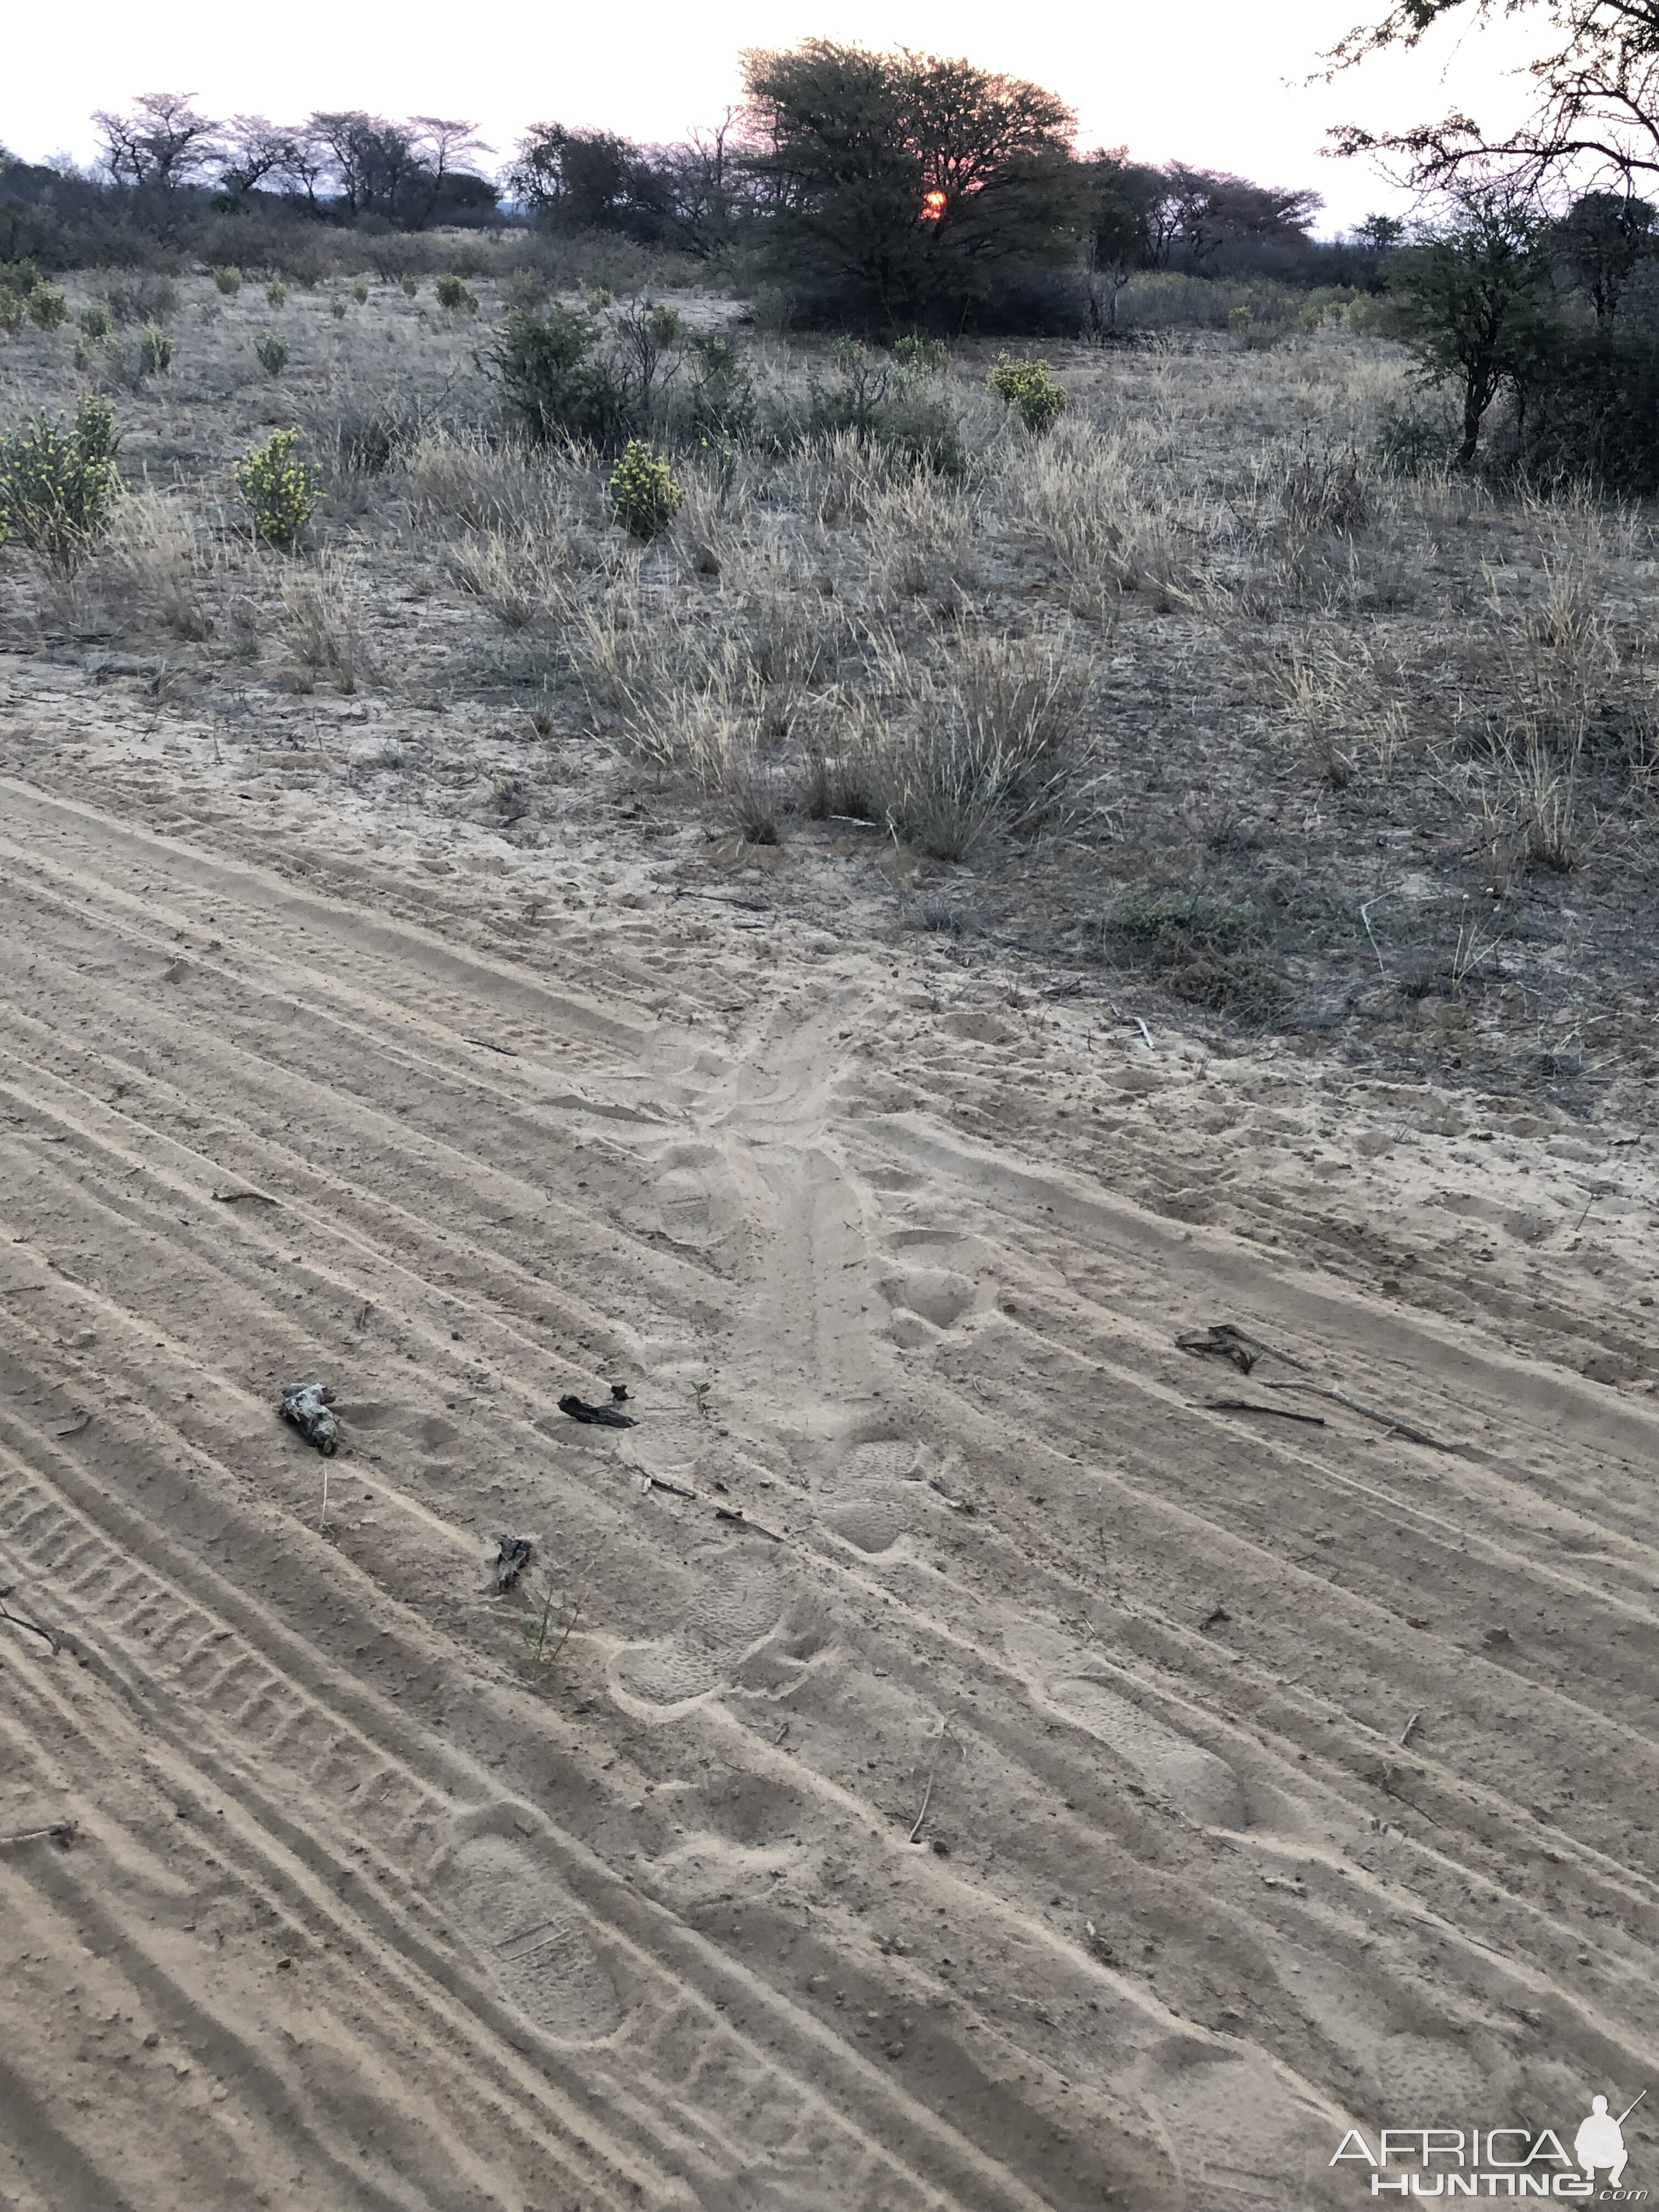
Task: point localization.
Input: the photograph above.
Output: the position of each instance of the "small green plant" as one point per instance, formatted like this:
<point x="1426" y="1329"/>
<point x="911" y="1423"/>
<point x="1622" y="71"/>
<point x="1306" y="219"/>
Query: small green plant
<point x="360" y="291"/>
<point x="1027" y="387"/>
<point x="278" y="490"/>
<point x="1240" y="320"/>
<point x="14" y="311"/>
<point x="229" y="281"/>
<point x="95" y="321"/>
<point x="599" y="299"/>
<point x="337" y="307"/>
<point x="914" y="356"/>
<point x="47" y="306"/>
<point x="643" y="494"/>
<point x="454" y="297"/>
<point x="1309" y="319"/>
<point x="58" y="483"/>
<point x="270" y="348"/>
<point x="154" y="352"/>
<point x="276" y="292"/>
<point x="1411" y="445"/>
<point x="411" y="285"/>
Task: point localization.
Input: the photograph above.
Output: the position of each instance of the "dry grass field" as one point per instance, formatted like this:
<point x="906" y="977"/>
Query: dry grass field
<point x="865" y="973"/>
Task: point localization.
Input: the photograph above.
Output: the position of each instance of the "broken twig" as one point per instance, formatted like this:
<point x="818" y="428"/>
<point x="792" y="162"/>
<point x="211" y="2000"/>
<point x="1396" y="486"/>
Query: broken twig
<point x="59" y="1832"/>
<point x="736" y="1513"/>
<point x="1391" y="1422"/>
<point x="1250" y="1405"/>
<point x="22" y="1620"/>
<point x="1406" y="1733"/>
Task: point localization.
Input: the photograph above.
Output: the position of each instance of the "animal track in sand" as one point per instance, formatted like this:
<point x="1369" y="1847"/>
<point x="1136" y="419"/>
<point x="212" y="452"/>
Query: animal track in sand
<point x="736" y="1602"/>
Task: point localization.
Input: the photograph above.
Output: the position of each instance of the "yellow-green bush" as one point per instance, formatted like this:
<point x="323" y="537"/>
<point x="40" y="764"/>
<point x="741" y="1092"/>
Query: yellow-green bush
<point x="154" y="352"/>
<point x="276" y="292"/>
<point x="47" y="306"/>
<point x="58" y="483"/>
<point x="278" y="490"/>
<point x="95" y="320"/>
<point x="270" y="348"/>
<point x="643" y="494"/>
<point x="228" y="280"/>
<point x="1028" y="389"/>
<point x="14" y="311"/>
<point x="454" y="297"/>
<point x="360" y="291"/>
<point x="411" y="285"/>
<point x="1240" y="320"/>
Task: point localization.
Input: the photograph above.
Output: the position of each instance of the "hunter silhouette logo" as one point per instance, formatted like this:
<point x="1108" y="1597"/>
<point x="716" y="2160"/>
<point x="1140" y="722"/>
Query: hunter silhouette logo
<point x="1452" y="2162"/>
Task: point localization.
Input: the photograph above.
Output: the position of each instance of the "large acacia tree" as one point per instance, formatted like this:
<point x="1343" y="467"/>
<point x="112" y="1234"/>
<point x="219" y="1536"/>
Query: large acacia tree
<point x="906" y="184"/>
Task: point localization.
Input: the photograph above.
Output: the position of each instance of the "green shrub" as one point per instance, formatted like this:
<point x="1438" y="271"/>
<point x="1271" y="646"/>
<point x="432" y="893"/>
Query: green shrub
<point x="411" y="285"/>
<point x="154" y="352"/>
<point x="1028" y="388"/>
<point x="1239" y="320"/>
<point x="58" y="483"/>
<point x="454" y="297"/>
<point x="552" y="386"/>
<point x="1411" y="445"/>
<point x="228" y="280"/>
<point x="337" y="307"/>
<point x="14" y="311"/>
<point x="720" y="409"/>
<point x="270" y="347"/>
<point x="898" y="414"/>
<point x="47" y="306"/>
<point x="643" y="494"/>
<point x="95" y="321"/>
<point x="276" y="292"/>
<point x="279" y="491"/>
<point x="915" y="356"/>
<point x="599" y="300"/>
<point x="143" y="299"/>
<point x="360" y="291"/>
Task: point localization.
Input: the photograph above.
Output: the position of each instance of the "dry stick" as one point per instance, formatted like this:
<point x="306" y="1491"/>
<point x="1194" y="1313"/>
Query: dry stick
<point x="928" y="1794"/>
<point x="62" y="1831"/>
<point x="1406" y="1733"/>
<point x="1248" y="1405"/>
<point x="1365" y="916"/>
<point x="322" y="1519"/>
<point x="22" y="1620"/>
<point x="1389" y="1421"/>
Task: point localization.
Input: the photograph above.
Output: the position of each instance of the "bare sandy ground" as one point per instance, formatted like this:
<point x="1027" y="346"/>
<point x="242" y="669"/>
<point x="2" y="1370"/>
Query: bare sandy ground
<point x="1053" y="1790"/>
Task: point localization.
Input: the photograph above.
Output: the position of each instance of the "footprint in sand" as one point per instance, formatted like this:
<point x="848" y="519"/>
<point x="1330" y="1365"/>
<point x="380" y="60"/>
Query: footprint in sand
<point x="534" y="1936"/>
<point x="1240" y="2140"/>
<point x="735" y="1605"/>
<point x="1196" y="1782"/>
<point x="866" y="1498"/>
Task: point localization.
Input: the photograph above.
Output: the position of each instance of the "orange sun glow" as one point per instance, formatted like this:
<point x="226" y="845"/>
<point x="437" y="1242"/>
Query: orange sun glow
<point x="933" y="206"/>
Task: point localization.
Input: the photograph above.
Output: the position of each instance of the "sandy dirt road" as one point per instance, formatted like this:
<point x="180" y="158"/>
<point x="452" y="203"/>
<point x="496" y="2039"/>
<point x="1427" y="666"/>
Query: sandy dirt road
<point x="1056" y="1790"/>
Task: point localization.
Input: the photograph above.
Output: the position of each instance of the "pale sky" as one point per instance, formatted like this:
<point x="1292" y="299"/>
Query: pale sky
<point x="1218" y="83"/>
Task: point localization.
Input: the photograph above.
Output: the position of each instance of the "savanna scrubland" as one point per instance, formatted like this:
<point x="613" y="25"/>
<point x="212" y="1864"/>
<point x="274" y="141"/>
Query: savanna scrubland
<point x="861" y="965"/>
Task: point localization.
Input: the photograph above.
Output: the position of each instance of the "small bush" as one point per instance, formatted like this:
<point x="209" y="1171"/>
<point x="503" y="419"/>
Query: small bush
<point x="897" y="415"/>
<point x="47" y="306"/>
<point x="276" y="292"/>
<point x="154" y="352"/>
<point x="411" y="285"/>
<point x="14" y="311"/>
<point x="454" y="297"/>
<point x="643" y="494"/>
<point x="337" y="307"/>
<point x="599" y="300"/>
<point x="144" y="298"/>
<point x="95" y="321"/>
<point x="360" y="291"/>
<point x="1411" y="446"/>
<point x="1240" y="320"/>
<point x="58" y="483"/>
<point x="1027" y="387"/>
<point x="279" y="492"/>
<point x="552" y="385"/>
<point x="1202" y="950"/>
<point x="914" y="356"/>
<point x="270" y="348"/>
<point x="229" y="281"/>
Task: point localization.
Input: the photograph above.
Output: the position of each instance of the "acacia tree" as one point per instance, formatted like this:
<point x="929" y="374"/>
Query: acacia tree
<point x="1597" y="104"/>
<point x="160" y="142"/>
<point x="909" y="182"/>
<point x="1476" y="305"/>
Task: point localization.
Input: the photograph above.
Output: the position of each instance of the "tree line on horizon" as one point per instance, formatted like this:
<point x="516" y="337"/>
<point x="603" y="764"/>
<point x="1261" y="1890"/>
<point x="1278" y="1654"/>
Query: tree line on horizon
<point x="887" y="187"/>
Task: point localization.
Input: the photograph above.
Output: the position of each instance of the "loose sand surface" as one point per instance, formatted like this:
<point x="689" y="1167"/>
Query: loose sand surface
<point x="966" y="1766"/>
